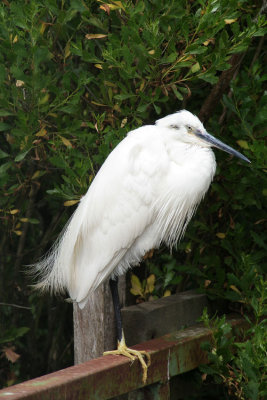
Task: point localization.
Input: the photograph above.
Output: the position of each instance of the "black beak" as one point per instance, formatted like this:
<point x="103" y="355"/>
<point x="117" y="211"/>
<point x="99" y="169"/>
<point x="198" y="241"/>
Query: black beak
<point x="206" y="137"/>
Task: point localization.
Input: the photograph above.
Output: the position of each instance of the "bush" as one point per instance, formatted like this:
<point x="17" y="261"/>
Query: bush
<point x="75" y="77"/>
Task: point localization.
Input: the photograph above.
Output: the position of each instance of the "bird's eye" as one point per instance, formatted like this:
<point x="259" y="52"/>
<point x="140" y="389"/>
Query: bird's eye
<point x="189" y="128"/>
<point x="174" y="126"/>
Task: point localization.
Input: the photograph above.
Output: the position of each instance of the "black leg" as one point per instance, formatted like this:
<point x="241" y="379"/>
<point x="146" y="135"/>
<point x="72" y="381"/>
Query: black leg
<point x="122" y="349"/>
<point x="113" y="283"/>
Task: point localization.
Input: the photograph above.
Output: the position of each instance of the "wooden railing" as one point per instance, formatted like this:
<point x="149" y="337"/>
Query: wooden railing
<point x="106" y="377"/>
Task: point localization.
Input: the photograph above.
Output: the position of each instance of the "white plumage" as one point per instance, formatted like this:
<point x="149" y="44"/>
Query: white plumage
<point x="144" y="194"/>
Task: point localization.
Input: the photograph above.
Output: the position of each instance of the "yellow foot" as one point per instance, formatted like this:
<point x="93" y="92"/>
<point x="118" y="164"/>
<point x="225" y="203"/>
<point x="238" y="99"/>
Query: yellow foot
<point x="123" y="350"/>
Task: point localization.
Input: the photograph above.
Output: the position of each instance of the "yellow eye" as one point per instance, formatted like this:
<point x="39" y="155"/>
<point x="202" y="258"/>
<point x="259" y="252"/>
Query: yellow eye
<point x="189" y="128"/>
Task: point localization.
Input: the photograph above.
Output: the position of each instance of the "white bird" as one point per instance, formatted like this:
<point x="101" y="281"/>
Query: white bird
<point x="144" y="195"/>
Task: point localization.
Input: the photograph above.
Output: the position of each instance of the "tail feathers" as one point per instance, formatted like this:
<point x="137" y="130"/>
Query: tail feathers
<point x="46" y="273"/>
<point x="55" y="271"/>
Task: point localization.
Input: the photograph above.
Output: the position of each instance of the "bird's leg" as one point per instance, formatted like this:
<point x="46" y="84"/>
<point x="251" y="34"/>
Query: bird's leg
<point x="113" y="283"/>
<point x="122" y="348"/>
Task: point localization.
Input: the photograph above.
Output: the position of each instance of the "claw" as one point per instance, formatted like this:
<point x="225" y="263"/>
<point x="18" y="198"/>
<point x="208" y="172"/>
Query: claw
<point x="132" y="354"/>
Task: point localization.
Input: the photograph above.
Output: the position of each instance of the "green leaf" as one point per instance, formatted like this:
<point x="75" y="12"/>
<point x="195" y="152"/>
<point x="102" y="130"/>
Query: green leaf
<point x="21" y="156"/>
<point x="34" y="221"/>
<point x="197" y="50"/>
<point x="4" y="126"/>
<point x="260" y="32"/>
<point x="11" y="334"/>
<point x="5" y="113"/>
<point x="142" y="108"/>
<point x="53" y="191"/>
<point x="4" y="168"/>
<point x="3" y="154"/>
<point x="259" y="240"/>
<point x="209" y="77"/>
<point x="124" y="96"/>
<point x="157" y="109"/>
<point x="2" y="73"/>
<point x="177" y="93"/>
<point x="229" y="103"/>
<point x="78" y="5"/>
<point x="195" y="68"/>
<point x="69" y="109"/>
<point x="169" y="59"/>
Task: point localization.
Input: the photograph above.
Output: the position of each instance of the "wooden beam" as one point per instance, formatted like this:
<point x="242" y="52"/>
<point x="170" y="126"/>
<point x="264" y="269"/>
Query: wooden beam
<point x="153" y="319"/>
<point x="110" y="376"/>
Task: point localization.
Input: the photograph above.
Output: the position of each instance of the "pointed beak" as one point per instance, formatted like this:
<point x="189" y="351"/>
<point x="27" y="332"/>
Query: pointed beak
<point x="206" y="137"/>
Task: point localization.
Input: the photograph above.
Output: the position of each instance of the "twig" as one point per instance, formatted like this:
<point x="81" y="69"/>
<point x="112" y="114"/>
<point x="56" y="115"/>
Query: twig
<point x="230" y="94"/>
<point x="224" y="81"/>
<point x="262" y="10"/>
<point x="220" y="88"/>
<point x="257" y="52"/>
<point x="32" y="195"/>
<point x="15" y="305"/>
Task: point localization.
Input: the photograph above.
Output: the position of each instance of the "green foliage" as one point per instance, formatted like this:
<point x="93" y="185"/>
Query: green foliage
<point x="13" y="334"/>
<point x="239" y="365"/>
<point x="75" y="77"/>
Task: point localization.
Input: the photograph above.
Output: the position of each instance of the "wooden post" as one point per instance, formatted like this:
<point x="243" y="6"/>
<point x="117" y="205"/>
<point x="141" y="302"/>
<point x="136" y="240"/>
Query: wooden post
<point x="94" y="325"/>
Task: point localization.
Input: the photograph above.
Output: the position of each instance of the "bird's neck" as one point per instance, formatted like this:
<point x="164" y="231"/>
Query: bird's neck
<point x="188" y="153"/>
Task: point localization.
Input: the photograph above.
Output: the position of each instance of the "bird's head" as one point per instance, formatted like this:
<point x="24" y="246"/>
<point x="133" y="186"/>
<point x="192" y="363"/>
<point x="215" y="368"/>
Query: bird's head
<point x="189" y="129"/>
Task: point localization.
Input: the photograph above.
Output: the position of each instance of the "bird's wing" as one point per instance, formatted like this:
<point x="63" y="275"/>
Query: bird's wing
<point x="114" y="213"/>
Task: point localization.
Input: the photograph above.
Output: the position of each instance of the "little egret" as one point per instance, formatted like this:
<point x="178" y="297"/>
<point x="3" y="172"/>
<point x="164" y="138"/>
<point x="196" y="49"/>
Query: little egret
<point x="144" y="194"/>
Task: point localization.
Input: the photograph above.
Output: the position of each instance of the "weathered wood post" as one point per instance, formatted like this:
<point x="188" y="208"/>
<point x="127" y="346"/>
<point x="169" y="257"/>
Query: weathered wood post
<point x="94" y="325"/>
